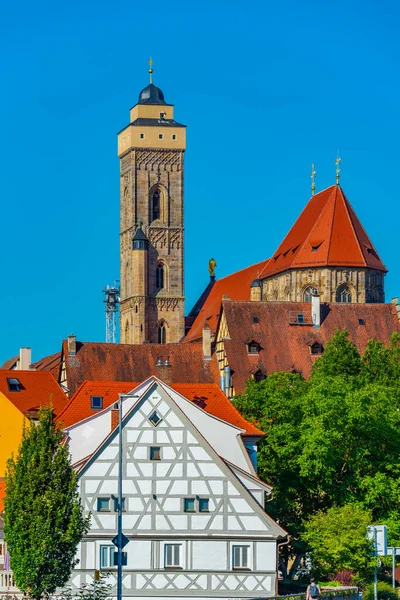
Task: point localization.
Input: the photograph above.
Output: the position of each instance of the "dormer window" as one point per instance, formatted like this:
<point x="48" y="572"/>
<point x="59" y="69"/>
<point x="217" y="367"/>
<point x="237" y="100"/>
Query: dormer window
<point x="316" y="349"/>
<point x="96" y="402"/>
<point x="253" y="348"/>
<point x="14" y="384"/>
<point x="259" y="376"/>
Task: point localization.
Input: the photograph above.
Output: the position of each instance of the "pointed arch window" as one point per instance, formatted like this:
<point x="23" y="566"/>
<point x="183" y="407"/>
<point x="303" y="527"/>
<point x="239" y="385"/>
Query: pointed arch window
<point x="156" y="205"/>
<point x="343" y="294"/>
<point x="160" y="276"/>
<point x="162" y="333"/>
<point x="309" y="293"/>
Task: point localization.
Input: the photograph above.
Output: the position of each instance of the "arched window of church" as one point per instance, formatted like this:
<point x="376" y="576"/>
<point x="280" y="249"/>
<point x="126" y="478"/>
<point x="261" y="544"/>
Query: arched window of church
<point x="162" y="333"/>
<point x="309" y="293"/>
<point x="343" y="294"/>
<point x="156" y="205"/>
<point x="160" y="276"/>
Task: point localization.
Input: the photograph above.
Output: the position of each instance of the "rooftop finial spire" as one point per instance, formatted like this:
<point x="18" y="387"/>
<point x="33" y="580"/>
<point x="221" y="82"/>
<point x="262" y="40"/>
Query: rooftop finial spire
<point x="151" y="69"/>
<point x="337" y="163"/>
<point x="313" y="174"/>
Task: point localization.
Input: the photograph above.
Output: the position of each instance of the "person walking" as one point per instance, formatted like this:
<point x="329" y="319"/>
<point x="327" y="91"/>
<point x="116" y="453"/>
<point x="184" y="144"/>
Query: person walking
<point x="313" y="590"/>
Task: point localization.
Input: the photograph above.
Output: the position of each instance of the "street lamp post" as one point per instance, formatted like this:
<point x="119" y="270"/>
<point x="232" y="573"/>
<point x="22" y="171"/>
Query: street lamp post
<point x="119" y="522"/>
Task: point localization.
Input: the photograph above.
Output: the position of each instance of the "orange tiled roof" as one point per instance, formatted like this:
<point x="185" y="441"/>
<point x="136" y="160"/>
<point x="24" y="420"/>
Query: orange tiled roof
<point x="2" y="494"/>
<point x="236" y="286"/>
<point x="327" y="233"/>
<point x="38" y="388"/>
<point x="209" y="397"/>
<point x="286" y="347"/>
<point x="96" y="361"/>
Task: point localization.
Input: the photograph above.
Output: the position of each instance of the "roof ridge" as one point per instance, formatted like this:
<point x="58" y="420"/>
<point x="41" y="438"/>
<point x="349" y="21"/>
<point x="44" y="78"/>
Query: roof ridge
<point x="244" y="269"/>
<point x="345" y="202"/>
<point x="317" y="222"/>
<point x="333" y="219"/>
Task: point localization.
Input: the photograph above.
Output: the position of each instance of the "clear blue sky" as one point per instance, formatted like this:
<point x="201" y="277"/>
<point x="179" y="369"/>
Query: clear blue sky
<point x="265" y="88"/>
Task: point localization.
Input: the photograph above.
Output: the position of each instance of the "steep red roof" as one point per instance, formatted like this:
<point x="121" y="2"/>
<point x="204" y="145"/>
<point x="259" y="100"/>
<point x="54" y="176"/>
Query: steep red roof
<point x="236" y="286"/>
<point x="286" y="346"/>
<point x="10" y="363"/>
<point x="209" y="397"/>
<point x="37" y="388"/>
<point x="49" y="363"/>
<point x="2" y="494"/>
<point x="96" y="361"/>
<point x="327" y="233"/>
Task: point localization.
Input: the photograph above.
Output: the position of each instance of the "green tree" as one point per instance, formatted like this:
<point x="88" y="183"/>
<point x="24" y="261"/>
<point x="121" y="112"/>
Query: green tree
<point x="340" y="357"/>
<point x="96" y="590"/>
<point x="376" y="363"/>
<point x="337" y="540"/>
<point x="43" y="520"/>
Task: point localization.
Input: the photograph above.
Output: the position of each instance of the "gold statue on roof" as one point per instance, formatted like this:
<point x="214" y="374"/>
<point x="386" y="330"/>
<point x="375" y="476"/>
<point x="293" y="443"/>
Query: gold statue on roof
<point x="313" y="174"/>
<point x="212" y="263"/>
<point x="337" y="163"/>
<point x="151" y="69"/>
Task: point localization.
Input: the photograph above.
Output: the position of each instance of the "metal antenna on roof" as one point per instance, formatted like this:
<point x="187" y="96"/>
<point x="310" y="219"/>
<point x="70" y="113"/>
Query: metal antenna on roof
<point x="313" y="175"/>
<point x="337" y="163"/>
<point x="151" y="69"/>
<point x="111" y="301"/>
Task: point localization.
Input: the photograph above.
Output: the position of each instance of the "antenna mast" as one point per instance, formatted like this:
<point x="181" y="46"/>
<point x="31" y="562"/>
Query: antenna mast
<point x="112" y="293"/>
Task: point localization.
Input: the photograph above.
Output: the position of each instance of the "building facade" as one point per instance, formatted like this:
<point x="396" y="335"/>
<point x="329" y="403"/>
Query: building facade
<point x="151" y="152"/>
<point x="193" y="504"/>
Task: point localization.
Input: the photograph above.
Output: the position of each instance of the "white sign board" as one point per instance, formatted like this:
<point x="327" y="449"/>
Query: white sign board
<point x="378" y="535"/>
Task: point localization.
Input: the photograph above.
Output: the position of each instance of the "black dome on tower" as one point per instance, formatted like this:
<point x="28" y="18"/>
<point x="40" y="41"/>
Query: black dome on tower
<point x="151" y="94"/>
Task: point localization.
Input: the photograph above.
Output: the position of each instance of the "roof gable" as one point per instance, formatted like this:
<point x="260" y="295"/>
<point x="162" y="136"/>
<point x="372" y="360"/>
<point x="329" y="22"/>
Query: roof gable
<point x="189" y="462"/>
<point x="37" y="388"/>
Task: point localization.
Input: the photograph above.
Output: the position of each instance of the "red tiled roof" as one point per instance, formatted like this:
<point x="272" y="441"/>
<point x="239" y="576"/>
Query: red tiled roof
<point x="327" y="233"/>
<point x="2" y="494"/>
<point x="10" y="363"/>
<point x="38" y="388"/>
<point x="49" y="363"/>
<point x="286" y="347"/>
<point x="236" y="286"/>
<point x="96" y="361"/>
<point x="209" y="397"/>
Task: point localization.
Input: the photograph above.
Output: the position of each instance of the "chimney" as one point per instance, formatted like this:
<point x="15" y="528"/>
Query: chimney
<point x="114" y="417"/>
<point x="164" y="370"/>
<point x="72" y="345"/>
<point x="25" y="359"/>
<point x="395" y="301"/>
<point x="316" y="310"/>
<point x="206" y="342"/>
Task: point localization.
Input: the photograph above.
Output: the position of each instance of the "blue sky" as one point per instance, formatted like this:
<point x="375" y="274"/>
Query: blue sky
<point x="265" y="88"/>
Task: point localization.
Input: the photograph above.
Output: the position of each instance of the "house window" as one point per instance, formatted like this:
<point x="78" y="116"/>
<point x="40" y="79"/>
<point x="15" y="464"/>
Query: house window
<point x="343" y="294"/>
<point x="96" y="402"/>
<point x="106" y="556"/>
<point x="155" y="453"/>
<point x="103" y="504"/>
<point x="116" y="504"/>
<point x="172" y="555"/>
<point x="309" y="293"/>
<point x="160" y="276"/>
<point x="240" y="557"/>
<point x="155" y="419"/>
<point x="256" y="320"/>
<point x="156" y="203"/>
<point x="300" y="318"/>
<point x="14" y="385"/>
<point x="204" y="505"/>
<point x="316" y="349"/>
<point x="189" y="505"/>
<point x="142" y="136"/>
<point x="173" y="136"/>
<point x="259" y="376"/>
<point x="160" y="136"/>
<point x="162" y="334"/>
<point x="253" y="348"/>
<point x="361" y="322"/>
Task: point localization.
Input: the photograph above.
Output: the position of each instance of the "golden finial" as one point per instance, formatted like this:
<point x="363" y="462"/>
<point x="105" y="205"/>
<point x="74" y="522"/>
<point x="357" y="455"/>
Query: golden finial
<point x="151" y="69"/>
<point x="313" y="174"/>
<point x="337" y="163"/>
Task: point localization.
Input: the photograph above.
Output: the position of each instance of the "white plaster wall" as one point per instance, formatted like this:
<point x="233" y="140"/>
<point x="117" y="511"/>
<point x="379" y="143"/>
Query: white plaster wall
<point x="265" y="556"/>
<point x="209" y="556"/>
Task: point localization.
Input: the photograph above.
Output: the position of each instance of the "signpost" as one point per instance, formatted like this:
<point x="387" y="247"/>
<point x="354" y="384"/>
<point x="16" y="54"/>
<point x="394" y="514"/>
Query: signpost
<point x="378" y="535"/>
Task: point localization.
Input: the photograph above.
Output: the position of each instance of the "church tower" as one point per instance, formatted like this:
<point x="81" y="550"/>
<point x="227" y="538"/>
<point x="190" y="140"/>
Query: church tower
<point x="151" y="152"/>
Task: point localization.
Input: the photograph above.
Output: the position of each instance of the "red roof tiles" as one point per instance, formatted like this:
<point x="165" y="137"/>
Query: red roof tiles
<point x="327" y="233"/>
<point x="96" y="361"/>
<point x="286" y="347"/>
<point x="209" y="397"/>
<point x="236" y="286"/>
<point x="37" y="388"/>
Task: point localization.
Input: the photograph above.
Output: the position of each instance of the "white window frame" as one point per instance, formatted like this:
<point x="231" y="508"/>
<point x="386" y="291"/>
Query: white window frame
<point x="110" y="556"/>
<point x="182" y="555"/>
<point x="242" y="567"/>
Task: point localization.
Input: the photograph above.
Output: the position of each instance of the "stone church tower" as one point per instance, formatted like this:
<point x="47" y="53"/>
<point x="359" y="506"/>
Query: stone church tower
<point x="151" y="152"/>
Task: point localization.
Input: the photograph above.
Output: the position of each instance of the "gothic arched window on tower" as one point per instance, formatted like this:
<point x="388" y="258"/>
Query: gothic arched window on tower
<point x="156" y="205"/>
<point x="160" y="277"/>
<point x="162" y="333"/>
<point x="309" y="293"/>
<point x="343" y="294"/>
